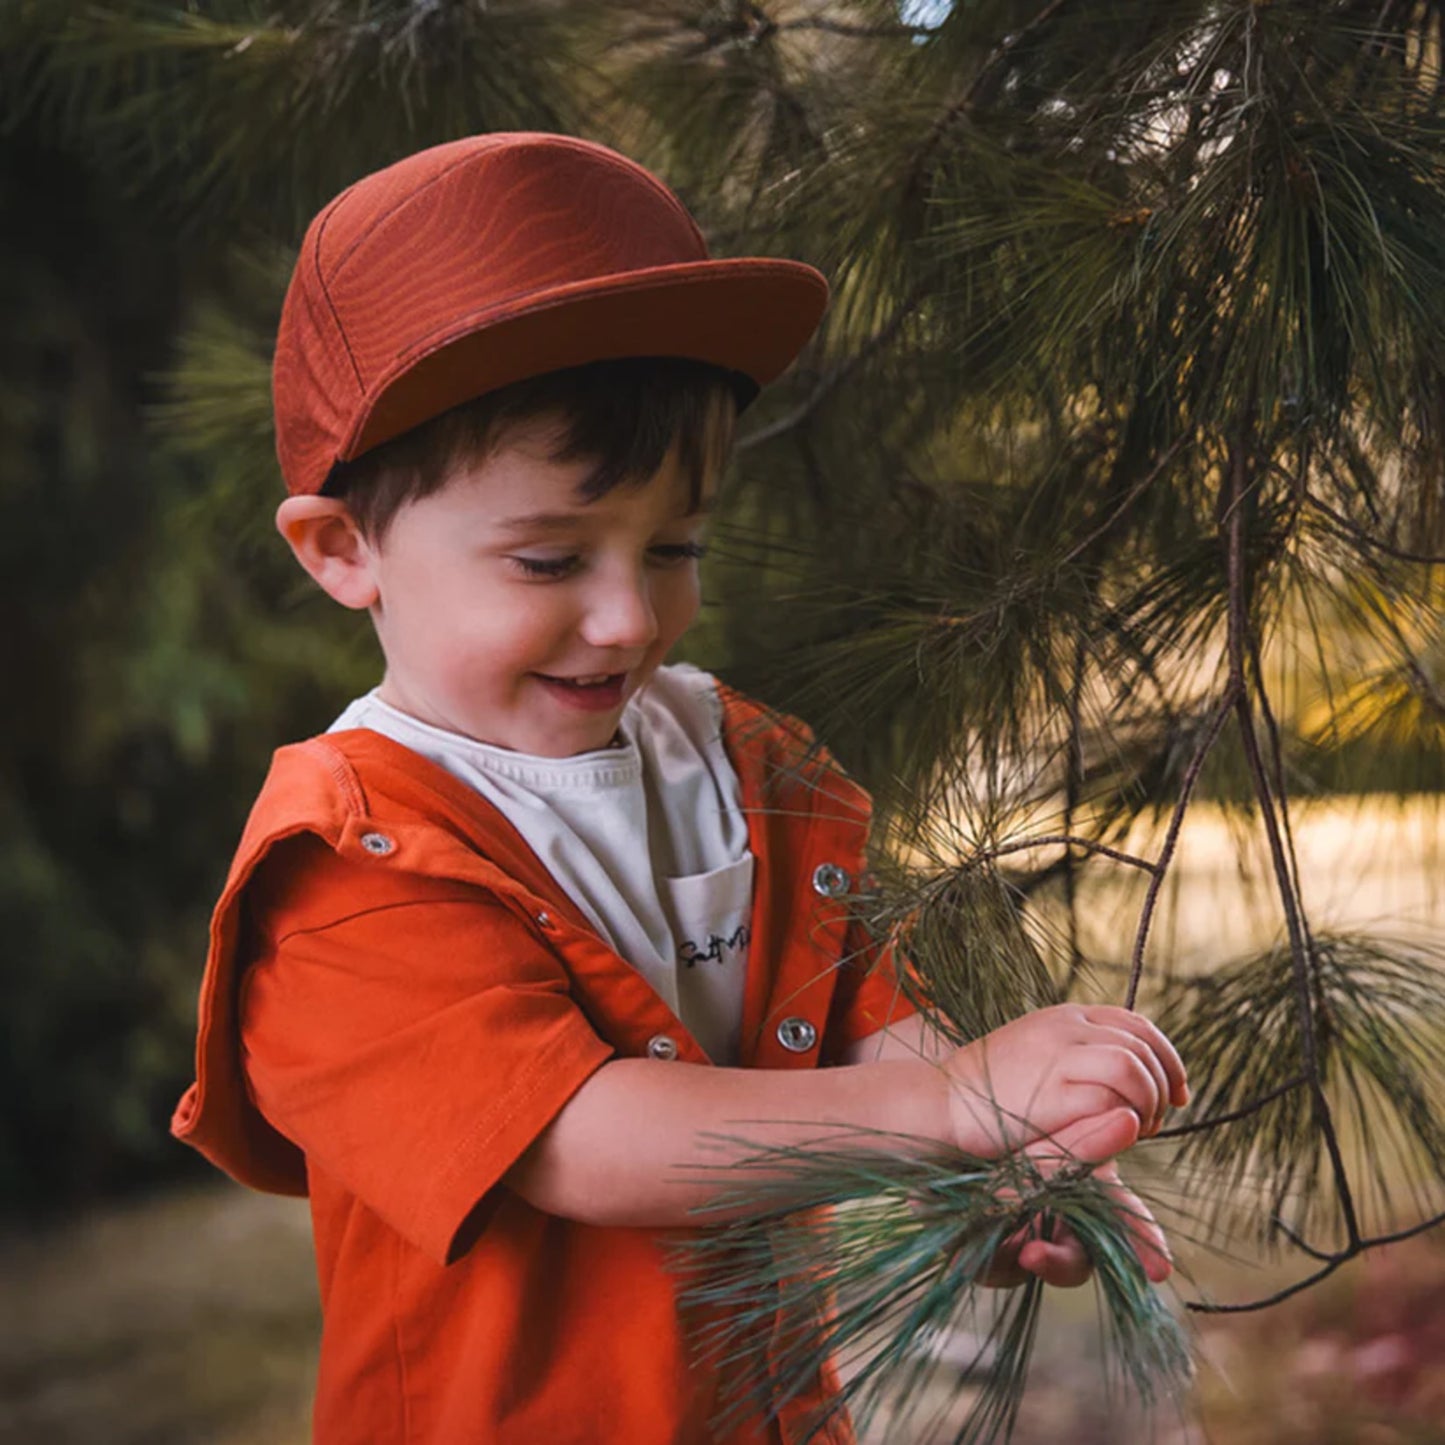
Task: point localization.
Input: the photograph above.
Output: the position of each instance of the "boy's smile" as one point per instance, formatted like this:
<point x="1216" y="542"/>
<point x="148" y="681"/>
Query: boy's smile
<point x="514" y="612"/>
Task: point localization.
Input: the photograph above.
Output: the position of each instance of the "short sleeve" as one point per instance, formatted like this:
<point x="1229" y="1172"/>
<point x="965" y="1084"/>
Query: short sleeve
<point x="413" y="1043"/>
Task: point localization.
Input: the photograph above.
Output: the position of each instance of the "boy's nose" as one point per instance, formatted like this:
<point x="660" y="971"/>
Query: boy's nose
<point x="620" y="614"/>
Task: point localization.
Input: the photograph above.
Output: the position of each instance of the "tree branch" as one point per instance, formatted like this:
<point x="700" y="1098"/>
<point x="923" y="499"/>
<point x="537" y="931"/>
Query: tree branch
<point x="1357" y="533"/>
<point x="1001" y="51"/>
<point x="1300" y="953"/>
<point x="1330" y="1263"/>
<point x="1130" y="497"/>
<point x="897" y="31"/>
<point x="1199" y="1126"/>
<point x="1073" y="788"/>
<point x="1171" y="841"/>
<point x="831" y="380"/>
<point x="1065" y="840"/>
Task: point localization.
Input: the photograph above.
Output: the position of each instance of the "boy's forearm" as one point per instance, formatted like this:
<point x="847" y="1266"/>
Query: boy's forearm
<point x="638" y="1144"/>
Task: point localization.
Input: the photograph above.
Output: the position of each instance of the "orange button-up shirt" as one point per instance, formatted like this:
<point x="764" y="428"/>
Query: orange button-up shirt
<point x="399" y="999"/>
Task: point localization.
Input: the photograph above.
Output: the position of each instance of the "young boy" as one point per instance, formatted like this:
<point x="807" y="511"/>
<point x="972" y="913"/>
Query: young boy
<point x="540" y="916"/>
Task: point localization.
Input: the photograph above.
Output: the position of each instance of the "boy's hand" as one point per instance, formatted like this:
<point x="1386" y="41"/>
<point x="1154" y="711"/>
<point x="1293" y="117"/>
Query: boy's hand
<point x="1038" y="1075"/>
<point x="1059" y="1259"/>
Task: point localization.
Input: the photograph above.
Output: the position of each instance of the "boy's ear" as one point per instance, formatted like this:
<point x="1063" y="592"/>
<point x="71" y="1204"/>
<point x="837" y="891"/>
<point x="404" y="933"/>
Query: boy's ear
<point x="327" y="542"/>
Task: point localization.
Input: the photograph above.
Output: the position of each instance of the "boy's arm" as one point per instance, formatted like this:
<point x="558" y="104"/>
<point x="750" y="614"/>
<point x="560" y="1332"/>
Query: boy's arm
<point x="638" y="1143"/>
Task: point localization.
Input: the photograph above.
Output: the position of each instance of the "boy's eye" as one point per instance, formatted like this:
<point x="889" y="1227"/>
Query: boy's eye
<point x="674" y="552"/>
<point x="545" y="566"/>
<point x="664" y="554"/>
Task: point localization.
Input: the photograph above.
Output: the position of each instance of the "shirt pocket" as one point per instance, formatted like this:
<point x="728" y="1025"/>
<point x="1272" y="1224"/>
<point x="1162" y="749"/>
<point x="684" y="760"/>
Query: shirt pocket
<point x="712" y="923"/>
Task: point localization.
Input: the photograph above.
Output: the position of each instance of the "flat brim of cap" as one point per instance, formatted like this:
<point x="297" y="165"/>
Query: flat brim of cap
<point x="750" y="315"/>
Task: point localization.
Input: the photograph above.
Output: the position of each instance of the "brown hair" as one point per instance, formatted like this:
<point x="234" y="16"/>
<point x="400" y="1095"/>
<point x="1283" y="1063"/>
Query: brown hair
<point x="624" y="416"/>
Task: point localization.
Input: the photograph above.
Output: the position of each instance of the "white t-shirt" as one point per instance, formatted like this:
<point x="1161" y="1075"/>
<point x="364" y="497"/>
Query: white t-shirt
<point x="648" y="838"/>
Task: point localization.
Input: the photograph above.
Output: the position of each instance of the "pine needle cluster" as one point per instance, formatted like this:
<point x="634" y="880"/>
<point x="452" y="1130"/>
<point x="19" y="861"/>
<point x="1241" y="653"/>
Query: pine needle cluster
<point x="876" y="1260"/>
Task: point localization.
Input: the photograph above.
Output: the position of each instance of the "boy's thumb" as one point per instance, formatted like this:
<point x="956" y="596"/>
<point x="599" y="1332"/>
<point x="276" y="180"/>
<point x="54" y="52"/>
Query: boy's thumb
<point x="1098" y="1138"/>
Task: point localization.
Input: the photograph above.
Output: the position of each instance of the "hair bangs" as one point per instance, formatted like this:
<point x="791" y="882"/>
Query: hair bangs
<point x="624" y="416"/>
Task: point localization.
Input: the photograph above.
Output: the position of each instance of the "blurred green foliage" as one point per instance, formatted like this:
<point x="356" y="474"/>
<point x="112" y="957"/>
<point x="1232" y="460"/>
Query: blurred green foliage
<point x="152" y="664"/>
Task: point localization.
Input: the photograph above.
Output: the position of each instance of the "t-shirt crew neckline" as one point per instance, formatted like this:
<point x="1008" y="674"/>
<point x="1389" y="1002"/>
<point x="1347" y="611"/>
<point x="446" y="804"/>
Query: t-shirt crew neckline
<point x="617" y="766"/>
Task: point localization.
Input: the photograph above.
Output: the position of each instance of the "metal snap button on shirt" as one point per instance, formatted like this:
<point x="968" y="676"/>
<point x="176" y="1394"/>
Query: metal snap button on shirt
<point x="377" y="844"/>
<point x="659" y="1046"/>
<point x="830" y="880"/>
<point x="797" y="1035"/>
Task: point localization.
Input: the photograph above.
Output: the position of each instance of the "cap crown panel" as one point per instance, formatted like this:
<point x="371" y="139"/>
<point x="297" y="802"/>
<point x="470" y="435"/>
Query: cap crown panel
<point x="487" y="233"/>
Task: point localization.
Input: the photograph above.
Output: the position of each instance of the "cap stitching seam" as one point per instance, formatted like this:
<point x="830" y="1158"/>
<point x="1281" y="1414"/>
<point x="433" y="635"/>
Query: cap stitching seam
<point x="330" y="304"/>
<point x="570" y="143"/>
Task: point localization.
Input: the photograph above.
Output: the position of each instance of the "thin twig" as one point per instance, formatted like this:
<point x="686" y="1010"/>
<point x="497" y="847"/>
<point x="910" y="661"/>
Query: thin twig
<point x="898" y="31"/>
<point x="1064" y="840"/>
<point x="1298" y="1287"/>
<point x="1214" y="1121"/>
<point x="1359" y="534"/>
<point x="1073" y="786"/>
<point x="1130" y="497"/>
<point x="1289" y="901"/>
<point x="1300" y="1242"/>
<point x="1331" y="1262"/>
<point x="831" y="380"/>
<point x="1171" y="841"/>
<point x="1276" y="750"/>
<point x="1006" y="47"/>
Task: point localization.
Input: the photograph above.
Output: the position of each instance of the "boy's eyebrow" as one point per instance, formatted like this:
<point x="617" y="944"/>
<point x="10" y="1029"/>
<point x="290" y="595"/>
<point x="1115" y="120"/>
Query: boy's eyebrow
<point x="540" y="522"/>
<point x="561" y="521"/>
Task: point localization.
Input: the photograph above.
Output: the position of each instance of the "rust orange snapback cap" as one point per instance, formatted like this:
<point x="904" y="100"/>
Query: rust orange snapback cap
<point x="496" y="258"/>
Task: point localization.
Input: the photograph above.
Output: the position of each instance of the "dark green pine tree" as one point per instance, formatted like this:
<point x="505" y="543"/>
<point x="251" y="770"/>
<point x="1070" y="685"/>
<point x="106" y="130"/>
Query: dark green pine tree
<point x="1111" y="487"/>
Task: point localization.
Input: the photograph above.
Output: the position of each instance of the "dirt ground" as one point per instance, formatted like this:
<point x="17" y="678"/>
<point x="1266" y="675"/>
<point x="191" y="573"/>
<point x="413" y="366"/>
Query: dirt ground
<point x="191" y="1319"/>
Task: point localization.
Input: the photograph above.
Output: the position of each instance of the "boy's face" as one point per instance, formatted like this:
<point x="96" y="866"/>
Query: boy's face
<point x="514" y="612"/>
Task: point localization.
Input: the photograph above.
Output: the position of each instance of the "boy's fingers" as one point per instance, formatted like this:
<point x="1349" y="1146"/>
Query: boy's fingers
<point x="1151" y="1063"/>
<point x="1061" y="1263"/>
<point x="1122" y="1069"/>
<point x="1155" y="1040"/>
<point x="1004" y="1271"/>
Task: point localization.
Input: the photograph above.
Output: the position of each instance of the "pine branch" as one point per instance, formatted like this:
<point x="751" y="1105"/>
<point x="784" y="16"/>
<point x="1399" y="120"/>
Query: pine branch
<point x="1245" y="1111"/>
<point x="1160" y="867"/>
<point x="1064" y="840"/>
<point x="834" y="377"/>
<point x="1295" y="924"/>
<point x="902" y="1240"/>
<point x="1331" y="1262"/>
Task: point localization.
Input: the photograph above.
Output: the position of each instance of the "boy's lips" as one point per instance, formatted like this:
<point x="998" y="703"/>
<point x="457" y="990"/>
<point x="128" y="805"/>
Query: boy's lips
<point x="594" y="692"/>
